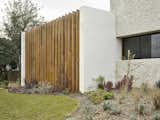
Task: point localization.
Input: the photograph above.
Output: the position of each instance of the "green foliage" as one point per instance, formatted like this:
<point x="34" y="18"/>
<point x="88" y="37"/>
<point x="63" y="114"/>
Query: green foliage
<point x="108" y="95"/>
<point x="133" y="117"/>
<point x="7" y="51"/>
<point x="65" y="91"/>
<point x="156" y="116"/>
<point x="99" y="95"/>
<point x="20" y="14"/>
<point x="88" y="113"/>
<point x="4" y="84"/>
<point x="141" y="108"/>
<point x="107" y="106"/>
<point x="145" y="88"/>
<point x="113" y="109"/>
<point x="100" y="81"/>
<point x="3" y="76"/>
<point x="158" y="84"/>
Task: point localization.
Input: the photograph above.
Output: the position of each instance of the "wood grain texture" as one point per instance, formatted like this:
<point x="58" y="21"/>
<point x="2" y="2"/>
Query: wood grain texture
<point x="52" y="53"/>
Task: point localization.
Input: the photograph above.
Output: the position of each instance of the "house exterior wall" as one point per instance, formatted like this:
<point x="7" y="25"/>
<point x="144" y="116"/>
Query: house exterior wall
<point x="143" y="70"/>
<point x="99" y="48"/>
<point x="136" y="16"/>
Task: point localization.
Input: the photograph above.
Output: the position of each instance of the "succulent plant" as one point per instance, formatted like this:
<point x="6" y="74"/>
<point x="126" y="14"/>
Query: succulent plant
<point x="156" y="116"/>
<point x="107" y="106"/>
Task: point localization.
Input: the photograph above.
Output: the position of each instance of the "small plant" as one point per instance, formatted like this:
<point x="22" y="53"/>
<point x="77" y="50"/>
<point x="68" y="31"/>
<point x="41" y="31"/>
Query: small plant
<point x="65" y="91"/>
<point x="95" y="97"/>
<point x="136" y="97"/>
<point x="156" y="116"/>
<point x="141" y="109"/>
<point x="109" y="86"/>
<point x="31" y="84"/>
<point x="108" y="95"/>
<point x="144" y="87"/>
<point x="156" y="98"/>
<point x="100" y="81"/>
<point x="88" y="113"/>
<point x="121" y="97"/>
<point x="158" y="84"/>
<point x="126" y="82"/>
<point x="99" y="96"/>
<point x="133" y="117"/>
<point x="107" y="106"/>
<point x="115" y="110"/>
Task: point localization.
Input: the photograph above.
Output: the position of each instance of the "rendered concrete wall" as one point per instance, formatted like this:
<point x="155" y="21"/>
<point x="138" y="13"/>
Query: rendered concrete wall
<point x="136" y="16"/>
<point x="23" y="59"/>
<point x="99" y="48"/>
<point x="143" y="70"/>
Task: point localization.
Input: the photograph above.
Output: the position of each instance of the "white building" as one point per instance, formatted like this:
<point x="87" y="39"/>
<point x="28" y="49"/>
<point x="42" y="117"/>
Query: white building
<point x="105" y="37"/>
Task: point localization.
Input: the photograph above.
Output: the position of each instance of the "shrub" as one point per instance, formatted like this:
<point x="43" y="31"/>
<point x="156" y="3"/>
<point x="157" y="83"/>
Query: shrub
<point x="158" y="84"/>
<point x="126" y="82"/>
<point x="34" y="88"/>
<point x="156" y="116"/>
<point x="141" y="108"/>
<point x="65" y="91"/>
<point x="156" y="98"/>
<point x="109" y="86"/>
<point x="4" y="83"/>
<point x="31" y="84"/>
<point x="108" y="95"/>
<point x="96" y="96"/>
<point x="99" y="95"/>
<point x="100" y="81"/>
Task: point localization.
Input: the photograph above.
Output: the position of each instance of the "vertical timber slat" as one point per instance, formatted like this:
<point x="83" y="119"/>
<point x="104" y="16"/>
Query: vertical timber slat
<point x="52" y="53"/>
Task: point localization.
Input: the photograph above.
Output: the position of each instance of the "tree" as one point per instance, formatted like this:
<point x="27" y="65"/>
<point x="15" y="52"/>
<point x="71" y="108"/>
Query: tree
<point x="6" y="52"/>
<point x="20" y="14"/>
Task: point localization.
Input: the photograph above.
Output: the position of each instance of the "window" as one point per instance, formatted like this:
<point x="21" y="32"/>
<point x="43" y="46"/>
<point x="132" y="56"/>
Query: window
<point x="155" y="50"/>
<point x="146" y="46"/>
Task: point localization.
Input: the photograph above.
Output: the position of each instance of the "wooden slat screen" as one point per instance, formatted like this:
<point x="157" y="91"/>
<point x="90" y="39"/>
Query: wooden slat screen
<point x="52" y="53"/>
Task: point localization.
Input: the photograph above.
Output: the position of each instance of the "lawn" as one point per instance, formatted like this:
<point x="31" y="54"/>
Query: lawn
<point x="35" y="107"/>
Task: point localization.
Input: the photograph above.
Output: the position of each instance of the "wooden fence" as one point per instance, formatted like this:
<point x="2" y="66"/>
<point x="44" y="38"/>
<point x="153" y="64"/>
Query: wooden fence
<point x="52" y="52"/>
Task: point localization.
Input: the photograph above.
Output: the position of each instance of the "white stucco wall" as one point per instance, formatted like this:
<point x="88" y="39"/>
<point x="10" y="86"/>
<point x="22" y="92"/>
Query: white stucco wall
<point x="22" y="58"/>
<point x="99" y="48"/>
<point x="143" y="70"/>
<point x="136" y="16"/>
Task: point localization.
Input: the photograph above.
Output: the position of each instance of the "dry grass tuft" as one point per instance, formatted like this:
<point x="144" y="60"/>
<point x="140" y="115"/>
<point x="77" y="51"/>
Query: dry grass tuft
<point x="155" y="95"/>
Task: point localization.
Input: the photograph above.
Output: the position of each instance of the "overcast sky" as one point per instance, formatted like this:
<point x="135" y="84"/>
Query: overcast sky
<point x="51" y="9"/>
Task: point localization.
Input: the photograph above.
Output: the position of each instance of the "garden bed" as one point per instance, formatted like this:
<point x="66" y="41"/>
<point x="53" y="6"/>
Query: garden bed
<point x="133" y="105"/>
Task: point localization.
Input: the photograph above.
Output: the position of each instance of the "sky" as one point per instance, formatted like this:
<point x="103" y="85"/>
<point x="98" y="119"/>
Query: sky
<point x="51" y="9"/>
<point x="54" y="8"/>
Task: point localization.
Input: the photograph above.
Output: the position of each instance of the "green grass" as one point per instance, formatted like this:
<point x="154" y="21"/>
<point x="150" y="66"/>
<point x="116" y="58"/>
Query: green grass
<point x="35" y="107"/>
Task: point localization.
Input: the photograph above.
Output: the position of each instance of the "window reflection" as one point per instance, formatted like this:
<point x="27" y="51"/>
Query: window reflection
<point x="145" y="46"/>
